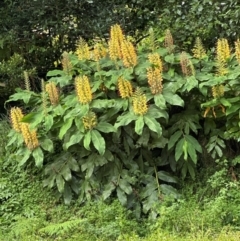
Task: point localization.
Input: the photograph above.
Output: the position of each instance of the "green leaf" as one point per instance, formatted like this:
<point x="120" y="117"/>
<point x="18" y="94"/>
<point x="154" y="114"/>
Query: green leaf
<point x="27" y="154"/>
<point x="47" y="145"/>
<point x="60" y="183"/>
<point x="169" y="190"/>
<point x="191" y="169"/>
<point x="24" y="95"/>
<point x="105" y="127"/>
<point x="169" y="58"/>
<point x="185" y="148"/>
<point x="121" y="196"/>
<point x="98" y="141"/>
<point x="153" y="125"/>
<point x="67" y="195"/>
<point x="194" y="143"/>
<point x="65" y="128"/>
<point x="73" y="165"/>
<point x="38" y="156"/>
<point x="225" y="102"/>
<point x="139" y="124"/>
<point x="219" y="151"/>
<point x="165" y="176"/>
<point x="55" y="72"/>
<point x="190" y="83"/>
<point x="66" y="173"/>
<point x="173" y="99"/>
<point x="48" y="122"/>
<point x="192" y="152"/>
<point x="160" y="101"/>
<point x="179" y="149"/>
<point x="87" y="140"/>
<point x="33" y="118"/>
<point x="174" y="138"/>
<point x="109" y="188"/>
<point x="75" y="139"/>
<point x="125" y="119"/>
<point x="125" y="186"/>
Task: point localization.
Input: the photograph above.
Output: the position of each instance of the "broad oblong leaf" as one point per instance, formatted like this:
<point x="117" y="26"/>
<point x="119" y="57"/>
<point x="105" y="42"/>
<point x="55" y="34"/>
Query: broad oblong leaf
<point x="174" y="138"/>
<point x="121" y="196"/>
<point x="173" y="99"/>
<point x="105" y="127"/>
<point x="179" y="149"/>
<point x="60" y="183"/>
<point x="87" y="140"/>
<point x="47" y="145"/>
<point x="194" y="142"/>
<point x="66" y="172"/>
<point x="125" y="186"/>
<point x="125" y="119"/>
<point x="98" y="141"/>
<point x="65" y="128"/>
<point x="48" y="122"/>
<point x="165" y="176"/>
<point x="38" y="156"/>
<point x="75" y="139"/>
<point x="153" y="125"/>
<point x="160" y="101"/>
<point x="139" y="124"/>
<point x="67" y="195"/>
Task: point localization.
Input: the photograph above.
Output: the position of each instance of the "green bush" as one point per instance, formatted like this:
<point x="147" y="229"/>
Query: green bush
<point x="120" y="121"/>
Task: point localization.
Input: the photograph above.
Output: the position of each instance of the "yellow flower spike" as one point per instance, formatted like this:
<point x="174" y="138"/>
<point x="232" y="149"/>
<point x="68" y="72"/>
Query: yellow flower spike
<point x="66" y="63"/>
<point x="139" y="102"/>
<point x="114" y="44"/>
<point x="125" y="88"/>
<point x="154" y="76"/>
<point x="217" y="91"/>
<point x="129" y="55"/>
<point x="82" y="50"/>
<point x="53" y="93"/>
<point x="237" y="50"/>
<point x="198" y="49"/>
<point x="186" y="65"/>
<point x="89" y="121"/>
<point x="168" y="41"/>
<point x="83" y="89"/>
<point x="99" y="51"/>
<point x="16" y="115"/>
<point x="26" y="80"/>
<point x="223" y="54"/>
<point x="29" y="136"/>
<point x="156" y="61"/>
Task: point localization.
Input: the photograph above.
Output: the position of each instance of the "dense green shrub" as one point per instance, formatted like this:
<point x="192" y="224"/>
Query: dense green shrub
<point x="135" y="118"/>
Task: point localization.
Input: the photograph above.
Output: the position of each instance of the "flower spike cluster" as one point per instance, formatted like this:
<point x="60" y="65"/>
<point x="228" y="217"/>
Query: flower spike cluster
<point x="168" y="41"/>
<point x="66" y="63"/>
<point x="237" y="50"/>
<point x="186" y="65"/>
<point x="121" y="48"/>
<point x="223" y="54"/>
<point x="154" y="74"/>
<point x="89" y="121"/>
<point x="16" y="115"/>
<point x="198" y="49"/>
<point x="217" y="91"/>
<point x="125" y="88"/>
<point x="82" y="50"/>
<point x="29" y="136"/>
<point x="139" y="102"/>
<point x="53" y="93"/>
<point x="83" y="89"/>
